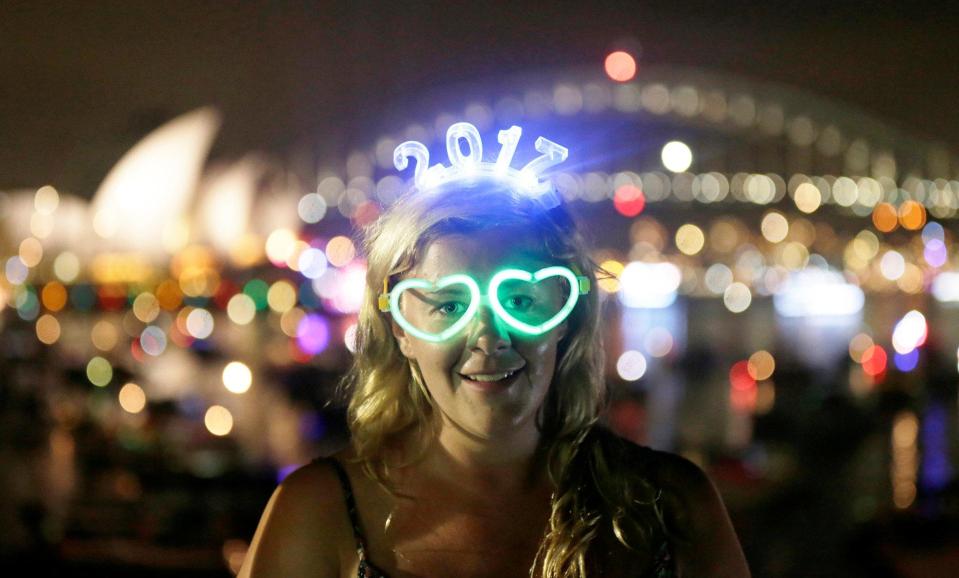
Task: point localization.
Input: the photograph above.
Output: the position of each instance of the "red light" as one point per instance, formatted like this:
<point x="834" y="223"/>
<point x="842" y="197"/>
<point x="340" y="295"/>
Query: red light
<point x="620" y="66"/>
<point x="629" y="200"/>
<point x="743" y="391"/>
<point x="874" y="361"/>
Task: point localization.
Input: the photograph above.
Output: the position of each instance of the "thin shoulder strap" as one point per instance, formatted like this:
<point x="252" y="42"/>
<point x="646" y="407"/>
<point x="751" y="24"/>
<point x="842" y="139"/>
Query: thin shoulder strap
<point x="350" y="502"/>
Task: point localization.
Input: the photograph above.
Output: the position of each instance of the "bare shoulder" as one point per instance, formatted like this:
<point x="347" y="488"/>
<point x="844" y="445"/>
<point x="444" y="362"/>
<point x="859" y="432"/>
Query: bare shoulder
<point x="701" y="535"/>
<point x="304" y="527"/>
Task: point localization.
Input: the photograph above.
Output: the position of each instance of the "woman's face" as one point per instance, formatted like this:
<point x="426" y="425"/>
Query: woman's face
<point x="487" y="379"/>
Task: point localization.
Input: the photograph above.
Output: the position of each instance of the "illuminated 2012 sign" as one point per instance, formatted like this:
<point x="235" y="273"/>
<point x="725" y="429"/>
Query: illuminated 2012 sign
<point x="470" y="165"/>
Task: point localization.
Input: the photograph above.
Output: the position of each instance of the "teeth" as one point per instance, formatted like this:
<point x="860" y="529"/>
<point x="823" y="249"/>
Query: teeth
<point x="490" y="376"/>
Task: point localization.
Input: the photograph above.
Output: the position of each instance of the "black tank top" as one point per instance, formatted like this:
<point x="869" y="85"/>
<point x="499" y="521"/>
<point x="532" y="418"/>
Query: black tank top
<point x="662" y="564"/>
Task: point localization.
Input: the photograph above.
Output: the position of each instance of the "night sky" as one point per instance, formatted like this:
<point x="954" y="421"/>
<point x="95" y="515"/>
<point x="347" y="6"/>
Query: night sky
<point x="83" y="81"/>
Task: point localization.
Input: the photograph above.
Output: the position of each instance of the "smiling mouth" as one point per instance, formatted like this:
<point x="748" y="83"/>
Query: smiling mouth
<point x="490" y="377"/>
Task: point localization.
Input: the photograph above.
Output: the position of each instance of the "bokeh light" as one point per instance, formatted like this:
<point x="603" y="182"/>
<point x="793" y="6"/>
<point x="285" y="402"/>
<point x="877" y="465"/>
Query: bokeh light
<point x="132" y="398"/>
<point x="48" y="329"/>
<point x="677" y="157"/>
<point x="631" y="365"/>
<point x="340" y="251"/>
<point x="153" y="340"/>
<point x="237" y="377"/>
<point x="629" y="200"/>
<point x="241" y="309"/>
<point x="690" y="239"/>
<point x="761" y="365"/>
<point x="313" y="334"/>
<point x="218" y="420"/>
<point x="620" y="66"/>
<point x="199" y="323"/>
<point x="54" y="296"/>
<point x="104" y="335"/>
<point x="99" y="371"/>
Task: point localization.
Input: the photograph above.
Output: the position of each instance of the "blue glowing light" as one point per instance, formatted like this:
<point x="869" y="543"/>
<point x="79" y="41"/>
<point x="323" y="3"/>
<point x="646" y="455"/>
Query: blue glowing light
<point x="906" y="362"/>
<point x="470" y="165"/>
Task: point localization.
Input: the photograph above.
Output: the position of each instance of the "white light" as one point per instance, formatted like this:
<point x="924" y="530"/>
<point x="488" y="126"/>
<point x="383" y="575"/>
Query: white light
<point x="226" y="201"/>
<point x="677" y="156"/>
<point x="892" y="265"/>
<point x="737" y="297"/>
<point x="153" y="340"/>
<point x="311" y="208"/>
<point x="152" y="186"/>
<point x="631" y="365"/>
<point x="817" y="292"/>
<point x="945" y="287"/>
<point x="717" y="278"/>
<point x="237" y="377"/>
<point x="312" y="263"/>
<point x="910" y="332"/>
<point x="199" y="323"/>
<point x="649" y="285"/>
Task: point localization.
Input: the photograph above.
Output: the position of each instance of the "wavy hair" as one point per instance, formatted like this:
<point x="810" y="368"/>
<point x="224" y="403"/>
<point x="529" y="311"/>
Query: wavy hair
<point x="594" y="496"/>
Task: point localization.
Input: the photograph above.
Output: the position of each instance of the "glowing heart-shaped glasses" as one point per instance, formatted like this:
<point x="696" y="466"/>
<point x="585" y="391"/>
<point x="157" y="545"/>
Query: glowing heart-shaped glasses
<point x="516" y="296"/>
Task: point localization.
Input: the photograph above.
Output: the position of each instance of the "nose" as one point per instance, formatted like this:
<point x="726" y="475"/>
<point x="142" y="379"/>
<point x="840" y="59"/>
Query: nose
<point x="488" y="333"/>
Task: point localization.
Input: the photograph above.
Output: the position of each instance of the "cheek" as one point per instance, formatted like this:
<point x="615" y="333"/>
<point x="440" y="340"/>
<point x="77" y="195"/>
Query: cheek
<point x="541" y="358"/>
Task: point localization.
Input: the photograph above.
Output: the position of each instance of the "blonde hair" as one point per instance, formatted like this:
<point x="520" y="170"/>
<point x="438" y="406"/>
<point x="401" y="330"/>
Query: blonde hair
<point x="389" y="402"/>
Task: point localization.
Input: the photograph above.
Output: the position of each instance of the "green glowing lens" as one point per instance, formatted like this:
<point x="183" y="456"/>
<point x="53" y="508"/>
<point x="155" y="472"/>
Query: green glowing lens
<point x="529" y="303"/>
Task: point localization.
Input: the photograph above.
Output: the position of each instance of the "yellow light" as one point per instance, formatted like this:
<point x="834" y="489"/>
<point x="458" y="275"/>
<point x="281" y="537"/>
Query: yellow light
<point x="48" y="329"/>
<point x="99" y="371"/>
<point x="795" y="256"/>
<point x="279" y="245"/>
<point x="765" y="397"/>
<point x="340" y="251"/>
<point x="104" y="335"/>
<point x="218" y="420"/>
<point x="290" y="321"/>
<point x="237" y="377"/>
<point x="293" y="260"/>
<point x="911" y="280"/>
<point x="132" y="398"/>
<point x="808" y="198"/>
<point x="66" y="267"/>
<point x="241" y="309"/>
<point x="610" y="284"/>
<point x="247" y="251"/>
<point x="282" y="296"/>
<point x="690" y="239"/>
<point x="858" y="346"/>
<point x="761" y="365"/>
<point x="146" y="307"/>
<point x="41" y="225"/>
<point x="774" y="227"/>
<point x="46" y="200"/>
<point x="31" y="252"/>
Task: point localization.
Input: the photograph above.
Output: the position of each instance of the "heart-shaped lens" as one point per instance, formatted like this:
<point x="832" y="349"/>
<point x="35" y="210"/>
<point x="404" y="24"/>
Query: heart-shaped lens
<point x="435" y="311"/>
<point x="534" y="303"/>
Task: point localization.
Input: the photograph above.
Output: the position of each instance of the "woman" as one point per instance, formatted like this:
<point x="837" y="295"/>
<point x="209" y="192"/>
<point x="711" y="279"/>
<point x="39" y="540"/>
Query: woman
<point x="475" y="447"/>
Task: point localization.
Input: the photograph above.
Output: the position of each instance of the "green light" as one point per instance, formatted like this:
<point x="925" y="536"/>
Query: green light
<point x="521" y="275"/>
<point x="578" y="285"/>
<point x="424" y="284"/>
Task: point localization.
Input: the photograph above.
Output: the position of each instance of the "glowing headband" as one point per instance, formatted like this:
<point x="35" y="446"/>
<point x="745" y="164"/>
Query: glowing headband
<point x="469" y="167"/>
<point x="579" y="285"/>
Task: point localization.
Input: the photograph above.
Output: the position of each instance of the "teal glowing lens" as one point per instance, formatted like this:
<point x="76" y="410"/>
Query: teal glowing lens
<point x="529" y="303"/>
<point x="440" y="314"/>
